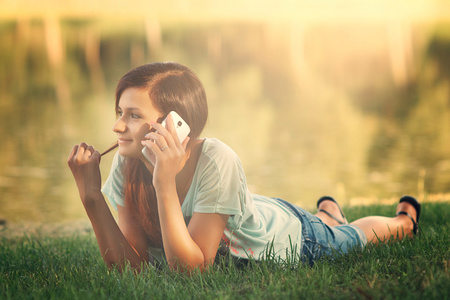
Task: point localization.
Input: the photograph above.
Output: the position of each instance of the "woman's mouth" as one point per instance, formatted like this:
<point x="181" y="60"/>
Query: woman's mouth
<point x="124" y="141"/>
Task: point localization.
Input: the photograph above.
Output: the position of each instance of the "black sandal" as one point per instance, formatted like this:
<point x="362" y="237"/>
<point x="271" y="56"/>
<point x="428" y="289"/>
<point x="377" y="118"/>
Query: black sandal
<point x="324" y="211"/>
<point x="416" y="205"/>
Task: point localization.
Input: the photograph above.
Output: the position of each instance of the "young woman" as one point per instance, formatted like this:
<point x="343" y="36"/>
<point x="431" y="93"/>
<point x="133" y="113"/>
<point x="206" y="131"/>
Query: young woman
<point x="189" y="201"/>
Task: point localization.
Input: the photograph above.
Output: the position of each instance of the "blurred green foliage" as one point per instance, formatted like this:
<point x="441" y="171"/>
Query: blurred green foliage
<point x="311" y="109"/>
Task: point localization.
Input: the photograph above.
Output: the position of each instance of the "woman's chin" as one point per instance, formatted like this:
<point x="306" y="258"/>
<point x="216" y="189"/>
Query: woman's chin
<point x="123" y="151"/>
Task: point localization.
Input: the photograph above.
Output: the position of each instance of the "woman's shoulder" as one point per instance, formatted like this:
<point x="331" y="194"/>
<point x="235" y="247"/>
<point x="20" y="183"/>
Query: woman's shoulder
<point x="217" y="150"/>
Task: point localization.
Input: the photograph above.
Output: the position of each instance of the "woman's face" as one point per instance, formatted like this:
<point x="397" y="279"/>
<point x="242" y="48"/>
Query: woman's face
<point x="135" y="112"/>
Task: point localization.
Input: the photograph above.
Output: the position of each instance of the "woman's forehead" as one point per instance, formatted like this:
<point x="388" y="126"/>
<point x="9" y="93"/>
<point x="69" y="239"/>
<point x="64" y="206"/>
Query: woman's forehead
<point x="138" y="100"/>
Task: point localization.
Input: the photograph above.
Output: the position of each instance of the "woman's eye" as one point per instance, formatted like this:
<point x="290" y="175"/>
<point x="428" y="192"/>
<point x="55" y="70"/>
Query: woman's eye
<point x="135" y="116"/>
<point x="119" y="113"/>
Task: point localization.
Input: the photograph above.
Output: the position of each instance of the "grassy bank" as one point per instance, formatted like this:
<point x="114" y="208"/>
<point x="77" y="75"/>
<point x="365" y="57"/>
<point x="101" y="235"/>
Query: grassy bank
<point x="39" y="266"/>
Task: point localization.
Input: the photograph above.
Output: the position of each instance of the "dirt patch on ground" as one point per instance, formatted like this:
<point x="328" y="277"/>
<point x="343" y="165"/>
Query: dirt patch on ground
<point x="81" y="227"/>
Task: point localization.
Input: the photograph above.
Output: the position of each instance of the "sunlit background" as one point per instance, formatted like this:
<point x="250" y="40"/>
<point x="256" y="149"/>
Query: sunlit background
<point x="342" y="98"/>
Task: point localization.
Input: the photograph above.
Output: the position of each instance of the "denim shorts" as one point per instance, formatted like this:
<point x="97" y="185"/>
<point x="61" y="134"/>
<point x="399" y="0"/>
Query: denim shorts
<point x="319" y="239"/>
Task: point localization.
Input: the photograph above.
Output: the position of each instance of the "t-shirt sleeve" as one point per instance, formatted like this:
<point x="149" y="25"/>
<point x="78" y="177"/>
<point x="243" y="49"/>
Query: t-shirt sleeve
<point x="113" y="187"/>
<point x="222" y="185"/>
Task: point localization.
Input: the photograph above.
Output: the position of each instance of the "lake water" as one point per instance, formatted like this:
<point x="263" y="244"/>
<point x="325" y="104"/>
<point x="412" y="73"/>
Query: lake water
<point x="358" y="112"/>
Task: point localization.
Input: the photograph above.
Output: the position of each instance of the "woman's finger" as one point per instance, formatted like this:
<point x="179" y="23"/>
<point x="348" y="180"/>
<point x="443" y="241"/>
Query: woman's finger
<point x="81" y="149"/>
<point x="151" y="145"/>
<point x="96" y="155"/>
<point x="185" y="142"/>
<point x="72" y="152"/>
<point x="156" y="138"/>
<point x="163" y="131"/>
<point x="82" y="153"/>
<point x="90" y="150"/>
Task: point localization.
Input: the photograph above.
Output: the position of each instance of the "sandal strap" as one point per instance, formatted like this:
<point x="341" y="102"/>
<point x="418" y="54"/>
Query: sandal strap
<point x="331" y="216"/>
<point x="413" y="201"/>
<point x="324" y="198"/>
<point x="409" y="216"/>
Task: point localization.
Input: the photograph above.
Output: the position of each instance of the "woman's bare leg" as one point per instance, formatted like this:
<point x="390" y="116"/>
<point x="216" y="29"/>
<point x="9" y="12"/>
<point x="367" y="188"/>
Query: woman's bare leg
<point x="332" y="208"/>
<point x="384" y="228"/>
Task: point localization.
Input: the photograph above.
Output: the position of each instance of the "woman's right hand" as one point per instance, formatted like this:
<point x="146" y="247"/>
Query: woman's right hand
<point x="113" y="241"/>
<point x="84" y="161"/>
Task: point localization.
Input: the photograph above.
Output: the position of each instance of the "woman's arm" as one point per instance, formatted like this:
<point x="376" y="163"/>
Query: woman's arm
<point x="189" y="247"/>
<point x="133" y="232"/>
<point x="114" y="247"/>
<point x="185" y="248"/>
<point x="114" y="244"/>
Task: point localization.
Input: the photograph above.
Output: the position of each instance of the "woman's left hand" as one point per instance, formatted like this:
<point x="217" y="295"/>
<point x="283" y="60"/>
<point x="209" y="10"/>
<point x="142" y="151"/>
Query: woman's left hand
<point x="168" y="150"/>
<point x="84" y="162"/>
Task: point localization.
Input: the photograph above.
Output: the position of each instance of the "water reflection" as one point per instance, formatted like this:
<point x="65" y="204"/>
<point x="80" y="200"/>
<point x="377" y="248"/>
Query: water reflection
<point x="311" y="109"/>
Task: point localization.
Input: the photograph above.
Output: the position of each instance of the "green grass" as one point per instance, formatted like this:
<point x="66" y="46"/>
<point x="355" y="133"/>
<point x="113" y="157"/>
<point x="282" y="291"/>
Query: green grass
<point x="70" y="267"/>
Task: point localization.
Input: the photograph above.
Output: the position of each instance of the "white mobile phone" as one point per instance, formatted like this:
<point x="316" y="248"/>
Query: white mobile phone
<point x="181" y="127"/>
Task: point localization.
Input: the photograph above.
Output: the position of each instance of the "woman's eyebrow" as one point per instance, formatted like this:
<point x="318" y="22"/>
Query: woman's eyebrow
<point x="129" y="108"/>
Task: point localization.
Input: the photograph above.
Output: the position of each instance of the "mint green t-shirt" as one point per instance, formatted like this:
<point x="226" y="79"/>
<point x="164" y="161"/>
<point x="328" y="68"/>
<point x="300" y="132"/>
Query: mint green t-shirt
<point x="219" y="186"/>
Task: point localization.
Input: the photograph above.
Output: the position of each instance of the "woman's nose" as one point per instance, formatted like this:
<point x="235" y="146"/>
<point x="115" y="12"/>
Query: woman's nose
<point x="119" y="126"/>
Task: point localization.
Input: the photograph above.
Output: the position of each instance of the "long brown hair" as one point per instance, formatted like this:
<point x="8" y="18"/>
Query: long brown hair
<point x="170" y="86"/>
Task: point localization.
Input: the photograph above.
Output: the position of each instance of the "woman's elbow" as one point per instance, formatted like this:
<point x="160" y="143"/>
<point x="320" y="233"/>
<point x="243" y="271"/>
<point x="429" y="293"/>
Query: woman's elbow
<point x="188" y="265"/>
<point x="113" y="261"/>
